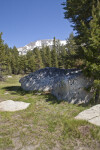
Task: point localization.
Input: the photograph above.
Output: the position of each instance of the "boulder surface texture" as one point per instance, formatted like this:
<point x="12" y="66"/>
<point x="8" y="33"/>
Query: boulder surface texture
<point x="65" y="84"/>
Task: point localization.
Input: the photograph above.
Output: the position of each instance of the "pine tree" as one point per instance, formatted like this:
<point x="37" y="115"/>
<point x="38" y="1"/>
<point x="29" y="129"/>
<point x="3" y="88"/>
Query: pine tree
<point x="58" y="46"/>
<point x="31" y="61"/>
<point x="15" y="60"/>
<point x="43" y="55"/>
<point x="54" y="54"/>
<point x="71" y="49"/>
<point x="8" y="58"/>
<point x="38" y="58"/>
<point x="85" y="16"/>
<point x="92" y="50"/>
<point x="23" y="64"/>
<point x="79" y="14"/>
<point x="2" y="55"/>
<point x="62" y="57"/>
<point x="48" y="57"/>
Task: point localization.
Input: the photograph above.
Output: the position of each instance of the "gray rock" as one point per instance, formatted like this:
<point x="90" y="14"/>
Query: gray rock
<point x="41" y="80"/>
<point x="72" y="88"/>
<point x="10" y="105"/>
<point x="64" y="84"/>
<point x="91" y="115"/>
<point x="9" y="76"/>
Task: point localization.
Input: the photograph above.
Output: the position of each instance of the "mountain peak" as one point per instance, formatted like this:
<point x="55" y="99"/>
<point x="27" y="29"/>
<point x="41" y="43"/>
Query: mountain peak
<point x="38" y="44"/>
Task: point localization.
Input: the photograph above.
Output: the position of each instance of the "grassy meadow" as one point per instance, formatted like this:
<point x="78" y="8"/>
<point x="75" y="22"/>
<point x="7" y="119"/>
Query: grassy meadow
<point x="47" y="124"/>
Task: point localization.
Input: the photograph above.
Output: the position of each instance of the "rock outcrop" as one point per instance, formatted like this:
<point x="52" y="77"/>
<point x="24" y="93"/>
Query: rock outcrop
<point x="42" y="80"/>
<point x="10" y="105"/>
<point x="65" y="84"/>
<point x="72" y="88"/>
<point x="91" y="115"/>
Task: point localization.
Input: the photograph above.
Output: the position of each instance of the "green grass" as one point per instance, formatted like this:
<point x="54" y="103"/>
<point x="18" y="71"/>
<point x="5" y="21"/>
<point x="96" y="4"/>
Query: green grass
<point x="47" y="124"/>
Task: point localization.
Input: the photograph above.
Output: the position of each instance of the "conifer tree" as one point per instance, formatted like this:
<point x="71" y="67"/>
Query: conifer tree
<point x="2" y="55"/>
<point x="62" y="57"/>
<point x="92" y="49"/>
<point x="31" y="61"/>
<point x="58" y="46"/>
<point x="23" y="64"/>
<point x="71" y="49"/>
<point x="85" y="16"/>
<point x="8" y="57"/>
<point x="38" y="58"/>
<point x="15" y="60"/>
<point x="43" y="55"/>
<point x="48" y="57"/>
<point x="54" y="54"/>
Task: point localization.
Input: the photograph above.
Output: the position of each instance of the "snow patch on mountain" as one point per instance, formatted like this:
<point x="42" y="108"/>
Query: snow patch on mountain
<point x="38" y="44"/>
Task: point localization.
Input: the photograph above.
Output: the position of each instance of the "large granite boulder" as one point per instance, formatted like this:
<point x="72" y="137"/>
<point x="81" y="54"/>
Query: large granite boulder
<point x="65" y="84"/>
<point x="73" y="88"/>
<point x="41" y="80"/>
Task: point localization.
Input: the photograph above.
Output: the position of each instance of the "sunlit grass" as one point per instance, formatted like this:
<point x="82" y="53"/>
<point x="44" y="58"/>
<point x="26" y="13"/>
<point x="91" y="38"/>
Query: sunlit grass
<point x="45" y="124"/>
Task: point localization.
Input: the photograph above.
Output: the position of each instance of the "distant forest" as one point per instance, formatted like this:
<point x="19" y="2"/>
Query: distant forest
<point x="59" y="56"/>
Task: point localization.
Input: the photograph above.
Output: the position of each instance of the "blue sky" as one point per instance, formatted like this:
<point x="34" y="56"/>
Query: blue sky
<point x="24" y="21"/>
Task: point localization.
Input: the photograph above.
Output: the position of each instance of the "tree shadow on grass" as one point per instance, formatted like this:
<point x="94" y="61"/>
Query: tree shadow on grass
<point x="52" y="99"/>
<point x="17" y="90"/>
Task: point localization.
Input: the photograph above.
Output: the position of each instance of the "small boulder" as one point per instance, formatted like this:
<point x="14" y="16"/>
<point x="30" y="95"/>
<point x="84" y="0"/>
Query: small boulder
<point x="10" y="105"/>
<point x="91" y="115"/>
<point x="9" y="76"/>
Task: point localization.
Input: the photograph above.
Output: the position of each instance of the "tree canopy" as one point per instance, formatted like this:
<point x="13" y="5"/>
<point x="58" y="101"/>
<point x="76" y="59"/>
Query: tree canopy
<point x="85" y="18"/>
